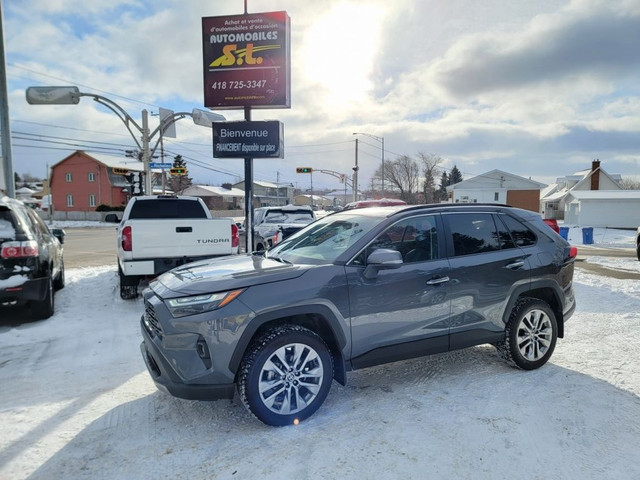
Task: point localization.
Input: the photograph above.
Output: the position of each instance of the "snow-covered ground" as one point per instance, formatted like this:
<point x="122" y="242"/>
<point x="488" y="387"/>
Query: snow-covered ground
<point x="77" y="402"/>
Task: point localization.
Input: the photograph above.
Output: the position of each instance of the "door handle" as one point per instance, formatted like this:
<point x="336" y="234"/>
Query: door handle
<point x="516" y="265"/>
<point x="183" y="229"/>
<point x="438" y="280"/>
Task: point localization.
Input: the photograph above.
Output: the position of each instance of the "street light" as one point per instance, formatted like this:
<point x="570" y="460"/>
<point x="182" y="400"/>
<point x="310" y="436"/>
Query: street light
<point x="381" y="140"/>
<point x="70" y="95"/>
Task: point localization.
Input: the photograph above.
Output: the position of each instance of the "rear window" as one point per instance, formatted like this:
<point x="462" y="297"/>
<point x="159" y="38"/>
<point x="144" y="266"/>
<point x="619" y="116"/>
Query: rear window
<point x="7" y="228"/>
<point x="166" y="208"/>
<point x="296" y="216"/>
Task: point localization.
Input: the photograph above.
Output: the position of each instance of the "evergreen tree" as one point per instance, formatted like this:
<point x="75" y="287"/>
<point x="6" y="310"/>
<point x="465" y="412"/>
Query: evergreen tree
<point x="179" y="183"/>
<point x="455" y="176"/>
<point x="442" y="190"/>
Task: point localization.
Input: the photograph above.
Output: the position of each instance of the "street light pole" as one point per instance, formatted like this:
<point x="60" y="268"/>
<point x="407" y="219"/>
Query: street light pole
<point x="381" y="140"/>
<point x="71" y="96"/>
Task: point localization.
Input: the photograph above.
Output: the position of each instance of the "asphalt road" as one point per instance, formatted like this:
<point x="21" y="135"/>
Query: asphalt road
<point x="91" y="247"/>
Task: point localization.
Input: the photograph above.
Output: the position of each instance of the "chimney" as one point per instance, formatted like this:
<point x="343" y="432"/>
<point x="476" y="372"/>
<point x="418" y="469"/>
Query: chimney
<point x="595" y="175"/>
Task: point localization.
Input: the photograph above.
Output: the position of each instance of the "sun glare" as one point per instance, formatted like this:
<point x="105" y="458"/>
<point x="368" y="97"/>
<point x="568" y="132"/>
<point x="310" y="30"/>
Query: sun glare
<point x="340" y="48"/>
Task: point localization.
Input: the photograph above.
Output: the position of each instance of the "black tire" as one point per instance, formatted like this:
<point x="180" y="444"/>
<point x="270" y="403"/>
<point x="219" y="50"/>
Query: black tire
<point x="60" y="281"/>
<point x="43" y="309"/>
<point x="638" y="251"/>
<point x="128" y="285"/>
<point x="289" y="396"/>
<point x="530" y="334"/>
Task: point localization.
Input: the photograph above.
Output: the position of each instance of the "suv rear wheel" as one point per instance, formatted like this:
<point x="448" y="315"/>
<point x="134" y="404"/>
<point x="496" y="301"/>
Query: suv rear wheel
<point x="285" y="375"/>
<point x="530" y="335"/>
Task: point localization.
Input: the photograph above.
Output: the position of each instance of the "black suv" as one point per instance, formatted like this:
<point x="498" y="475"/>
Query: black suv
<point x="31" y="265"/>
<point x="354" y="289"/>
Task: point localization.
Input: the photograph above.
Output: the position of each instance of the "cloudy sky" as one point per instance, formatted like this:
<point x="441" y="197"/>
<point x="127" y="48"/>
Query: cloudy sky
<point x="536" y="88"/>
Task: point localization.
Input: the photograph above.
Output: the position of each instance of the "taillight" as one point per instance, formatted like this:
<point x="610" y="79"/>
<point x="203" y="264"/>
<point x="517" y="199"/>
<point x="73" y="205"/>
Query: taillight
<point x="127" y="240"/>
<point x="235" y="238"/>
<point x="19" y="249"/>
<point x="573" y="252"/>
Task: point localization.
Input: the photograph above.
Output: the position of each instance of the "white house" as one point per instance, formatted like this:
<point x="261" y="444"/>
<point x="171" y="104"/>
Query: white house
<point x="603" y="208"/>
<point x="217" y="198"/>
<point x="553" y="199"/>
<point x="498" y="186"/>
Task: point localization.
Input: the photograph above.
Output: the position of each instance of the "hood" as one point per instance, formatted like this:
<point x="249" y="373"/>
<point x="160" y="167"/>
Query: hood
<point x="220" y="274"/>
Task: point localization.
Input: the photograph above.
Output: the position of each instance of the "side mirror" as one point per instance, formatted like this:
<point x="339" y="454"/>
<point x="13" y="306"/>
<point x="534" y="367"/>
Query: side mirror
<point x="382" y="259"/>
<point x="59" y="234"/>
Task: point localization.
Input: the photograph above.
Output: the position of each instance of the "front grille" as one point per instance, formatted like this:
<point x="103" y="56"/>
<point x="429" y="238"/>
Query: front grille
<point x="151" y="321"/>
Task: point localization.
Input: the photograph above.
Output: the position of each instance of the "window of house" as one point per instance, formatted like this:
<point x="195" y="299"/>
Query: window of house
<point x="69" y="200"/>
<point x="496" y="196"/>
<point x="68" y="177"/>
<point x="92" y="200"/>
<point x="91" y="177"/>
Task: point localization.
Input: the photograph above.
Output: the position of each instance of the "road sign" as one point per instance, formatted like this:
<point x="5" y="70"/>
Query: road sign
<point x="304" y="170"/>
<point x="160" y="165"/>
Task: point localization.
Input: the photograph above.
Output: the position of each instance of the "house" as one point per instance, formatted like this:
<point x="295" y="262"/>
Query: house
<point x="312" y="200"/>
<point x="217" y="198"/>
<point x="553" y="199"/>
<point x="603" y="208"/>
<point x="80" y="182"/>
<point x="267" y="194"/>
<point x="498" y="186"/>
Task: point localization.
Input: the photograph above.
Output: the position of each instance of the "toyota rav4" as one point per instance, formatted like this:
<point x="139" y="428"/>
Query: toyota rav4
<point x="354" y="289"/>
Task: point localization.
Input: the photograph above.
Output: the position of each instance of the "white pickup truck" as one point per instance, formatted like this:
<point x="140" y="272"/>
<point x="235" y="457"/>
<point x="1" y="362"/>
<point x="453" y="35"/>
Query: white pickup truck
<point x="272" y="224"/>
<point x="158" y="233"/>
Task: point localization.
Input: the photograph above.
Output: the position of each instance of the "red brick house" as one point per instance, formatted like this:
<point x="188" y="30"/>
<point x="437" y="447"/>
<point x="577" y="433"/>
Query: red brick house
<point x="81" y="182"/>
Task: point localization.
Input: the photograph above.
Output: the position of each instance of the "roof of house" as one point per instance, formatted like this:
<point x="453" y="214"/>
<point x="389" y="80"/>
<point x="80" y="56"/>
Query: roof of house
<point x="211" y="191"/>
<point x="605" y="194"/>
<point x="497" y="179"/>
<point x="556" y="192"/>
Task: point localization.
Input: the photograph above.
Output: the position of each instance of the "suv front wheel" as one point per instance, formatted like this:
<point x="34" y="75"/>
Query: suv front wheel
<point x="530" y="335"/>
<point x="285" y="375"/>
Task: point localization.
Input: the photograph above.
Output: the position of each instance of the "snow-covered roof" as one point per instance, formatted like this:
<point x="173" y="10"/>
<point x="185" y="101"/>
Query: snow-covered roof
<point x="605" y="194"/>
<point x="497" y="179"/>
<point x="211" y="191"/>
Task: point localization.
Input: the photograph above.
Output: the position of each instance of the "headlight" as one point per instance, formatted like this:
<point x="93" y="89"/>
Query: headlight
<point x="181" y="307"/>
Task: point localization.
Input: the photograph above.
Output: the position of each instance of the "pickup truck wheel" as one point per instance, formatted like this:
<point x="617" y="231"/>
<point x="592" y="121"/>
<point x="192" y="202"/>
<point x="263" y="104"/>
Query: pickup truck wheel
<point x="530" y="334"/>
<point x="285" y="375"/>
<point x="44" y="308"/>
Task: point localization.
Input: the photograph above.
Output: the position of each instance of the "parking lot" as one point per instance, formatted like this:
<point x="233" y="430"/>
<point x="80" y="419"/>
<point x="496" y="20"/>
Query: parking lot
<point x="79" y="403"/>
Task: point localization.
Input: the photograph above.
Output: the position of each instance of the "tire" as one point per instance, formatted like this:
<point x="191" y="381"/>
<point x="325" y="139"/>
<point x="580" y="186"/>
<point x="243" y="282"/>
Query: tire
<point x="59" y="282"/>
<point x="279" y="397"/>
<point x="128" y="285"/>
<point x="638" y="251"/>
<point x="43" y="309"/>
<point x="530" y="335"/>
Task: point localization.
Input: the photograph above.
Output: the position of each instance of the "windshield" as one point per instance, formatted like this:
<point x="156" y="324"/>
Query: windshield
<point x="325" y="240"/>
<point x="289" y="217"/>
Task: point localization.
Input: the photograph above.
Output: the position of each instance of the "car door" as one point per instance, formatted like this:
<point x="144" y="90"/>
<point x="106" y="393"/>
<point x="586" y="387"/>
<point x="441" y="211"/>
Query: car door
<point x="401" y="312"/>
<point x="486" y="266"/>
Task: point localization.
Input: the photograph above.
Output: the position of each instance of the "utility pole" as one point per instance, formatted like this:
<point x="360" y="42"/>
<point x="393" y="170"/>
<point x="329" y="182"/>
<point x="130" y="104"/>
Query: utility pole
<point x="5" y="127"/>
<point x="355" y="176"/>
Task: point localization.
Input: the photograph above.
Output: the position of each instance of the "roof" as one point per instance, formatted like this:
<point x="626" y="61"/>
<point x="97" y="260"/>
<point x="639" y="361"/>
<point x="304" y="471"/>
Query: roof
<point x="111" y="161"/>
<point x="497" y="179"/>
<point x="210" y="191"/>
<point x="606" y="194"/>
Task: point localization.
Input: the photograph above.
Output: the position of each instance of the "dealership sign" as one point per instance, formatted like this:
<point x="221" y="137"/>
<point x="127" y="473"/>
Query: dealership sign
<point x="246" y="61"/>
<point x="262" y="139"/>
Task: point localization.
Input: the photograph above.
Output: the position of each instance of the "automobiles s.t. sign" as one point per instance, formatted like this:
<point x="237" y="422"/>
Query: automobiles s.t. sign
<point x="246" y="61"/>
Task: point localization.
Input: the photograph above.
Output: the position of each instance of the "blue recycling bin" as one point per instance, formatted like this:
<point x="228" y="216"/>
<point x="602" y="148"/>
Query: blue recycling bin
<point x="564" y="232"/>
<point x="587" y="235"/>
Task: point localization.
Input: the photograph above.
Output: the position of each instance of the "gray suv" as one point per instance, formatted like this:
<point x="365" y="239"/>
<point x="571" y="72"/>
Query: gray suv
<point x="354" y="289"/>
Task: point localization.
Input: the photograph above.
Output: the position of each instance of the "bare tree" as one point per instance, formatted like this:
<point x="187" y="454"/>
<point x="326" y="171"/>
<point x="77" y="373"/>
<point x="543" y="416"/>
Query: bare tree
<point x="403" y="174"/>
<point x="430" y="164"/>
<point x="630" y="183"/>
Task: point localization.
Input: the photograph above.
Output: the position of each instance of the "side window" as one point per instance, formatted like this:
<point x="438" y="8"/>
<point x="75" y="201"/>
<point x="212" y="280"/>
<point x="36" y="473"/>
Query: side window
<point x="91" y="177"/>
<point x="416" y="238"/>
<point x="68" y="177"/>
<point x="473" y="233"/>
<point x="520" y="233"/>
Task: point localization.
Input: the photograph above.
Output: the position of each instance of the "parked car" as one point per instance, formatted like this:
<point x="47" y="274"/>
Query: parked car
<point x="355" y="289"/>
<point x="272" y="224"/>
<point x="31" y="262"/>
<point x="382" y="202"/>
<point x="553" y="223"/>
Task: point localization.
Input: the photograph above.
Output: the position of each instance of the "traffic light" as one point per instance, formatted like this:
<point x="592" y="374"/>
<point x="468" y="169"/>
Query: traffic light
<point x="120" y="171"/>
<point x="304" y="170"/>
<point x="178" y="171"/>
